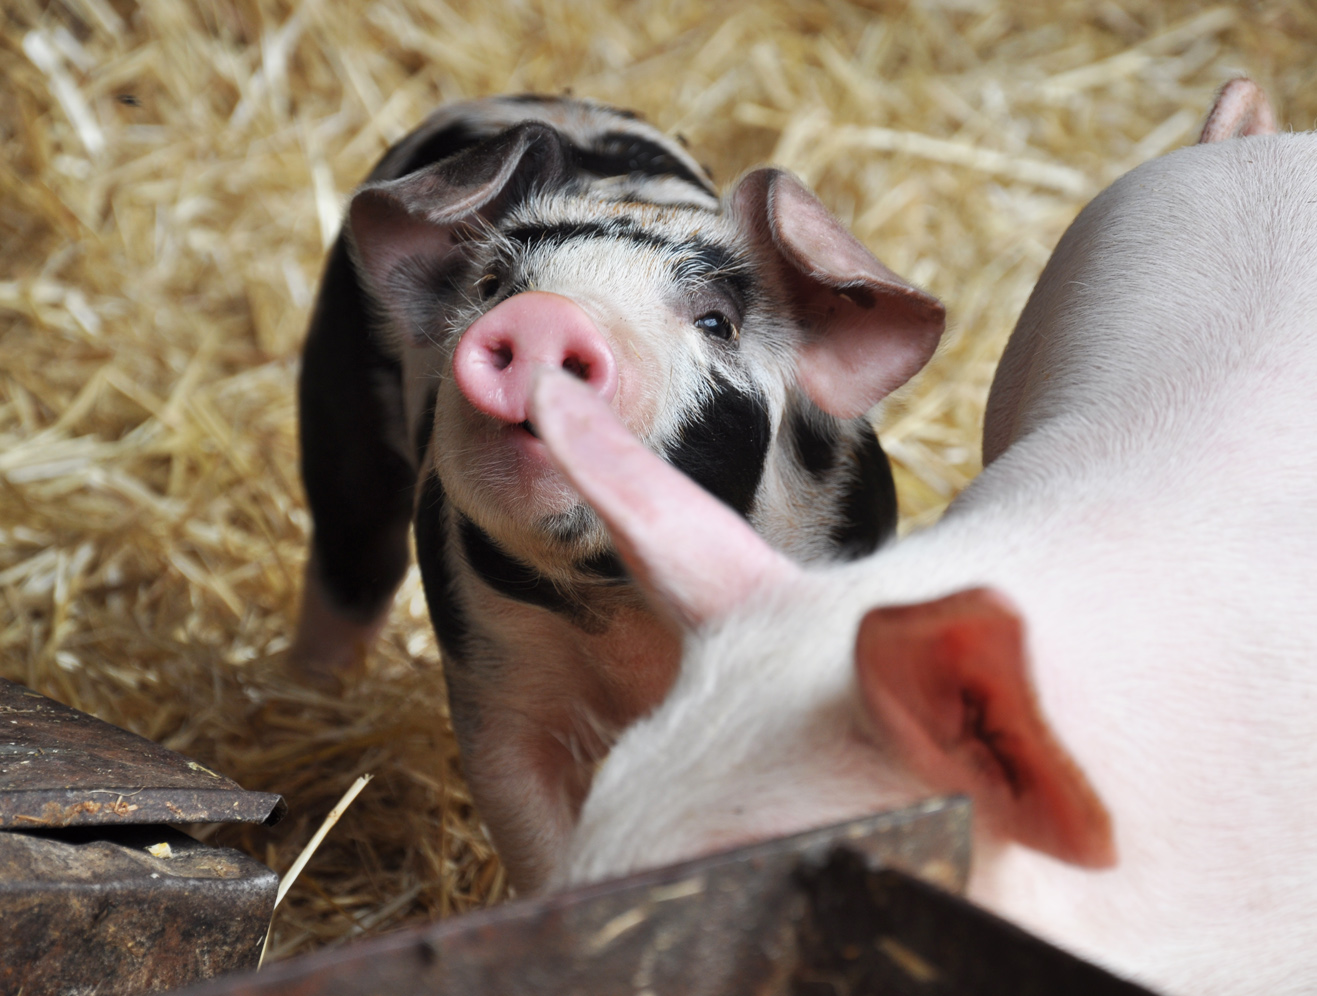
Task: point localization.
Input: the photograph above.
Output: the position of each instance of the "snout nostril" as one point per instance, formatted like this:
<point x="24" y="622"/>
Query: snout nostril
<point x="576" y="368"/>
<point x="495" y="361"/>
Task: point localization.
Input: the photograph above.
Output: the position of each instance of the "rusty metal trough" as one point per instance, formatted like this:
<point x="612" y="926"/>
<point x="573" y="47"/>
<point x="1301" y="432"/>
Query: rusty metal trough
<point x="96" y="895"/>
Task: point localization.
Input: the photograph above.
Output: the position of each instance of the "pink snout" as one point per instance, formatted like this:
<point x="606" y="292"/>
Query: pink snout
<point x="496" y="360"/>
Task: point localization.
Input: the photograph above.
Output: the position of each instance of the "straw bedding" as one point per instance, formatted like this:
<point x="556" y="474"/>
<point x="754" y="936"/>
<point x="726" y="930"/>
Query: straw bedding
<point x="172" y="173"/>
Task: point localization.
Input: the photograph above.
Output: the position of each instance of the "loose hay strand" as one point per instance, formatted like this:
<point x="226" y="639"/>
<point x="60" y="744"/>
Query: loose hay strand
<point x="300" y="862"/>
<point x="170" y="175"/>
<point x="335" y="814"/>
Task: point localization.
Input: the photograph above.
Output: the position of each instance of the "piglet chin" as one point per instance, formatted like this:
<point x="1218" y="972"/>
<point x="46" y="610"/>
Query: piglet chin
<point x="501" y="473"/>
<point x="531" y="480"/>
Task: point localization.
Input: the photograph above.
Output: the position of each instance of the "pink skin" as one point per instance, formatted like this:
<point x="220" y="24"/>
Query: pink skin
<point x="495" y="362"/>
<point x="1241" y="109"/>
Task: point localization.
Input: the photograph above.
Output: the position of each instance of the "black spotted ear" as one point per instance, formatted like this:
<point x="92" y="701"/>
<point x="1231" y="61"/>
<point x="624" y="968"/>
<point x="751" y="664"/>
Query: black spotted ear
<point x="869" y="330"/>
<point x="948" y="681"/>
<point x="402" y="231"/>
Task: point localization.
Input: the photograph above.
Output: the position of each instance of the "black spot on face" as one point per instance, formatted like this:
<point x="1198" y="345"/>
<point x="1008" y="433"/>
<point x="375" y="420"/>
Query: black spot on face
<point x="450" y="625"/>
<point x="724" y="445"/>
<point x="815" y="442"/>
<point x="868" y="508"/>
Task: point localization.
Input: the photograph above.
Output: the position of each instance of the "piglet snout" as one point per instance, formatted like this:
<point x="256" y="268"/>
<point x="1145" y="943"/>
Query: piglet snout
<point x="495" y="362"/>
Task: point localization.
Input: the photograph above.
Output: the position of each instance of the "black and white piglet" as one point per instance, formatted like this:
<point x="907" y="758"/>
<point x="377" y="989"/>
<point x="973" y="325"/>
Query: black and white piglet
<point x="743" y="340"/>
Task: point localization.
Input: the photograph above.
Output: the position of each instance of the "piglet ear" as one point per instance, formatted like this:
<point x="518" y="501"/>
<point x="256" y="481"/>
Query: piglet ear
<point x="693" y="555"/>
<point x="948" y="680"/>
<point x="401" y="231"/>
<point x="1241" y="109"/>
<point x="869" y="330"/>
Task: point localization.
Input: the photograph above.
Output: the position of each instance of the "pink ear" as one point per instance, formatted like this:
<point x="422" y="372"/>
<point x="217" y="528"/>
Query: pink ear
<point x="697" y="556"/>
<point x="870" y="330"/>
<point x="1241" y="109"/>
<point x="401" y="231"/>
<point x="948" y="680"/>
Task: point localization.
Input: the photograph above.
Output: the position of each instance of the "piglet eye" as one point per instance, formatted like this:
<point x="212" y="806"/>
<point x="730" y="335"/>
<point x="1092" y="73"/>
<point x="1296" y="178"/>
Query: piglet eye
<point x="487" y="286"/>
<point x="718" y="325"/>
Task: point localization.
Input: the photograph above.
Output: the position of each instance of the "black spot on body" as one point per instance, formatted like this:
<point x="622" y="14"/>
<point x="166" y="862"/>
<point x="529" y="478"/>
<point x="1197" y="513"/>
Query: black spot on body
<point x="358" y="487"/>
<point x="724" y="445"/>
<point x="619" y="153"/>
<point x="815" y="441"/>
<point x="506" y="574"/>
<point x="868" y="508"/>
<point x="450" y="625"/>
